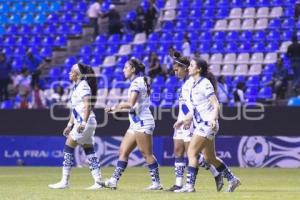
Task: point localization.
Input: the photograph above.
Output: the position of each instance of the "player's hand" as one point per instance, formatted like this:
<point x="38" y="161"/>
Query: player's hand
<point x="67" y="131"/>
<point x="81" y="127"/>
<point x="110" y="109"/>
<point x="178" y="124"/>
<point x="187" y="124"/>
<point x="213" y="124"/>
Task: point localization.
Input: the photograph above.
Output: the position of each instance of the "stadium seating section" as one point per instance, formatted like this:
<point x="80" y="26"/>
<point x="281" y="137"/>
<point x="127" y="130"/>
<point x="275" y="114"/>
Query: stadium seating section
<point x="240" y="39"/>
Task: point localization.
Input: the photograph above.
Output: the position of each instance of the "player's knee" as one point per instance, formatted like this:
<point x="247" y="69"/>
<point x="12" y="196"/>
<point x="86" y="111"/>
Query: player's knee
<point x="179" y="151"/>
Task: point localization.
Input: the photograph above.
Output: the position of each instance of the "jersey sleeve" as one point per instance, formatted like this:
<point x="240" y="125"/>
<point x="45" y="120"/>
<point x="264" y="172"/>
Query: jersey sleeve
<point x="208" y="89"/>
<point x="84" y="90"/>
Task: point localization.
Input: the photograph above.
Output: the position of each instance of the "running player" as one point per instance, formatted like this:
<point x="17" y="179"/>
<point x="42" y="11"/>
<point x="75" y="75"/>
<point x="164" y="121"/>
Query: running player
<point x="141" y="125"/>
<point x="205" y="118"/>
<point x="82" y="124"/>
<point x="181" y="136"/>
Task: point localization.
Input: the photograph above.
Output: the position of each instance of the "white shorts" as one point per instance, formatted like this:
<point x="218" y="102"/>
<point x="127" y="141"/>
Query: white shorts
<point x="183" y="134"/>
<point x="143" y="126"/>
<point x="203" y="129"/>
<point x="87" y="136"/>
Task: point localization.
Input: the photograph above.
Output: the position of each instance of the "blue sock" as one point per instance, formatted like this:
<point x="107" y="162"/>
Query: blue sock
<point x="94" y="163"/>
<point x="153" y="169"/>
<point x="120" y="168"/>
<point x="67" y="163"/>
<point x="179" y="170"/>
<point x="225" y="171"/>
<point x="192" y="175"/>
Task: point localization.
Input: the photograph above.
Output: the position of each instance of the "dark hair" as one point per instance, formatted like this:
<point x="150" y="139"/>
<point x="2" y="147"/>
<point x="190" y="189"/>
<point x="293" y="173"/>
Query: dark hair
<point x="295" y="37"/>
<point x="183" y="61"/>
<point x="90" y="77"/>
<point x="140" y="70"/>
<point x="202" y="64"/>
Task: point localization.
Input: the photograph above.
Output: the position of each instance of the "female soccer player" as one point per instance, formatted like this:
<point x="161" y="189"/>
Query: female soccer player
<point x="182" y="137"/>
<point x="205" y="118"/>
<point x="141" y="125"/>
<point x="82" y="124"/>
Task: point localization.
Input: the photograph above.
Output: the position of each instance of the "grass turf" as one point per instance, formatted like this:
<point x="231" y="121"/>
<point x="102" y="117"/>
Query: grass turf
<point x="31" y="184"/>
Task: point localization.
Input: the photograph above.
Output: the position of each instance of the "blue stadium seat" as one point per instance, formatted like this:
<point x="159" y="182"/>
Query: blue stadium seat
<point x="76" y="29"/>
<point x="251" y="93"/>
<point x="101" y="39"/>
<point x="81" y="6"/>
<point x="182" y="14"/>
<point x="55" y="6"/>
<point x="166" y="104"/>
<point x="258" y="47"/>
<point x="17" y="64"/>
<point x="272" y="46"/>
<point x="50" y="28"/>
<point x="223" y="4"/>
<point x="232" y="36"/>
<point x="222" y="12"/>
<point x="126" y="38"/>
<point x="178" y="37"/>
<point x="39" y="18"/>
<point x="231" y="47"/>
<point x="86" y="50"/>
<point x="166" y="38"/>
<point x="195" y="14"/>
<point x="196" y="4"/>
<point x="265" y="93"/>
<point x="208" y="13"/>
<point x="266" y="80"/>
<point x="207" y="24"/>
<point x="274" y="24"/>
<point x="288" y="23"/>
<point x="259" y="36"/>
<point x="35" y="40"/>
<point x="194" y="26"/>
<point x="180" y="25"/>
<point x="14" y="19"/>
<point x="288" y="11"/>
<point x="114" y="39"/>
<point x="245" y="47"/>
<point x="99" y="50"/>
<point x="273" y="36"/>
<point x="60" y="41"/>
<point x="52" y="18"/>
<point x="253" y="81"/>
<point x="37" y="29"/>
<point x="158" y="82"/>
<point x="163" y="49"/>
<point x="9" y="41"/>
<point x="70" y="61"/>
<point x="66" y="17"/>
<point x="286" y="35"/>
<point x="204" y="47"/>
<point x="249" y="3"/>
<point x="209" y="3"/>
<point x="167" y="26"/>
<point x="138" y="49"/>
<point x="153" y="37"/>
<point x="12" y="29"/>
<point x="246" y="36"/>
<point x="46" y="52"/>
<point x="16" y="7"/>
<point x="96" y="61"/>
<point x="204" y="36"/>
<point x="263" y="3"/>
<point x="112" y="49"/>
<point x="193" y="36"/>
<point x="43" y="7"/>
<point x="27" y="19"/>
<point x="22" y="41"/>
<point x="219" y="35"/>
<point x="183" y="4"/>
<point x="55" y="73"/>
<point x="48" y="41"/>
<point x="275" y="3"/>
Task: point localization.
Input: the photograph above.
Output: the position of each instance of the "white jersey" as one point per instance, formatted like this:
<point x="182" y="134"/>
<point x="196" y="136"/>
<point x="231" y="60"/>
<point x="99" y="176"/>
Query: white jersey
<point x="79" y="91"/>
<point x="184" y="99"/>
<point x="140" y="112"/>
<point x="202" y="89"/>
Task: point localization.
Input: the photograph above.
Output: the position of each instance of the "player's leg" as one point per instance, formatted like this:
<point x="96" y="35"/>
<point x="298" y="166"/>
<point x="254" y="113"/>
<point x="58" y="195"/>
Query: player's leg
<point x="127" y="146"/>
<point x="180" y="163"/>
<point x="144" y="143"/>
<point x="195" y="147"/>
<point x="67" y="165"/>
<point x="94" y="165"/>
<point x="210" y="156"/>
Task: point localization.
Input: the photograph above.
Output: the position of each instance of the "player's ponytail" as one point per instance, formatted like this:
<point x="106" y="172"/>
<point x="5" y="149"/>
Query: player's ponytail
<point x="90" y="77"/>
<point x="202" y="64"/>
<point x="140" y="70"/>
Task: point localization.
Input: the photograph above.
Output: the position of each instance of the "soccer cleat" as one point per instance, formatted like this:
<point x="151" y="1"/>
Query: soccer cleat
<point x="219" y="182"/>
<point x="108" y="184"/>
<point x="96" y="186"/>
<point x="59" y="185"/>
<point x="173" y="188"/>
<point x="233" y="184"/>
<point x="155" y="186"/>
<point x="186" y="189"/>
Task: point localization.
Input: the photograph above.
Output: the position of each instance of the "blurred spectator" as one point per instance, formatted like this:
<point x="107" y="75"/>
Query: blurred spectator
<point x="167" y="63"/>
<point x="186" y="47"/>
<point x="93" y="12"/>
<point x="293" y="53"/>
<point x="32" y="62"/>
<point x="114" y="20"/>
<point x="238" y="94"/>
<point x="140" y="20"/>
<point x="22" y="83"/>
<point x="280" y="80"/>
<point x="223" y="93"/>
<point x="154" y="65"/>
<point x="38" y="99"/>
<point x="151" y="17"/>
<point x="5" y="69"/>
<point x="59" y="96"/>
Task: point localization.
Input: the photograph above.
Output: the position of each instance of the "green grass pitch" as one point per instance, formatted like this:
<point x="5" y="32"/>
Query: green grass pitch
<point x="31" y="184"/>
